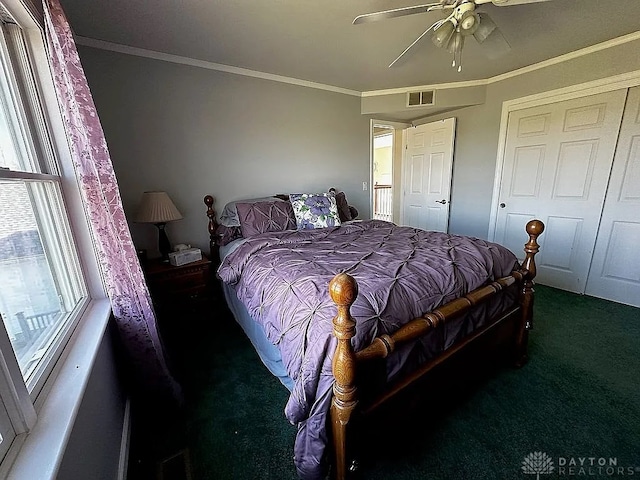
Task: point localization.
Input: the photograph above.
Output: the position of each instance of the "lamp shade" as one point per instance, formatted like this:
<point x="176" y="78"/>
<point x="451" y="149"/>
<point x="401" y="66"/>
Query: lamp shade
<point x="469" y="23"/>
<point x="156" y="207"/>
<point x="442" y="34"/>
<point x="456" y="43"/>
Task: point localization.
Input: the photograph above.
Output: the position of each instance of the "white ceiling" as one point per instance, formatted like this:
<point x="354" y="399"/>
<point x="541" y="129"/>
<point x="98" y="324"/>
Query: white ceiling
<point x="315" y="40"/>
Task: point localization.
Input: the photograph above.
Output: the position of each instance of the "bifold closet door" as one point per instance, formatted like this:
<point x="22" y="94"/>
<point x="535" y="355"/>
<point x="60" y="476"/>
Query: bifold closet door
<point x="615" y="269"/>
<point x="556" y="168"/>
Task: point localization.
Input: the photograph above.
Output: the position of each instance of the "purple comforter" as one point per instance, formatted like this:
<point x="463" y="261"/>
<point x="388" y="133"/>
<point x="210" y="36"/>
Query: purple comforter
<point x="282" y="278"/>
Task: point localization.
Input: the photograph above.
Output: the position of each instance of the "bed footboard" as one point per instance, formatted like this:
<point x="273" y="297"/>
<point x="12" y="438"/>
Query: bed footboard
<point x="534" y="229"/>
<point x="344" y="289"/>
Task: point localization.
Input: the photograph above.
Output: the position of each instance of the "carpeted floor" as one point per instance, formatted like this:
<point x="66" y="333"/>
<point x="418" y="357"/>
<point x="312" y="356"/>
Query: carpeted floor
<point x="579" y="396"/>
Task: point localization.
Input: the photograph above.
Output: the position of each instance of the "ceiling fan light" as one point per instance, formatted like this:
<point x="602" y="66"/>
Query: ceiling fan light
<point x="469" y="23"/>
<point x="456" y="44"/>
<point x="442" y="35"/>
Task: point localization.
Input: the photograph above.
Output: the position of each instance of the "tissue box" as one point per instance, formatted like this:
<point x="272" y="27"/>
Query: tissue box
<point x="185" y="256"/>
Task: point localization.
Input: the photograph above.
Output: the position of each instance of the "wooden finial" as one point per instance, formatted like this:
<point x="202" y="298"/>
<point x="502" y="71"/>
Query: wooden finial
<point x="534" y="229"/>
<point x="343" y="289"/>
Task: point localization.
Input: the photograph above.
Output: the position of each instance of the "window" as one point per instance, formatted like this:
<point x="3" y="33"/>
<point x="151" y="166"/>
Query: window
<point x="43" y="292"/>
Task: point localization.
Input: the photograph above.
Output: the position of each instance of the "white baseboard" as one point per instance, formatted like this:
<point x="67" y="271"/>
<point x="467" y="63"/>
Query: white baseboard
<point x="125" y="443"/>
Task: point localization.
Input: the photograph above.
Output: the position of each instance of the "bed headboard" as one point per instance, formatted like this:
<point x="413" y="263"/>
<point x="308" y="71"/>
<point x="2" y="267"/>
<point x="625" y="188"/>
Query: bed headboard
<point x="214" y="253"/>
<point x="215" y="236"/>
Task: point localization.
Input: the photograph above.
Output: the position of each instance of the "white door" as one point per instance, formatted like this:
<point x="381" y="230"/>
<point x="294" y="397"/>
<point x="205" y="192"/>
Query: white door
<point x="428" y="163"/>
<point x="556" y="168"/>
<point x="615" y="269"/>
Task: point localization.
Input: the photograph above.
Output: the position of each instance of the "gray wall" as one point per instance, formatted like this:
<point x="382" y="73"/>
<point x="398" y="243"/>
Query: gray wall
<point x="192" y="131"/>
<point x="478" y="127"/>
<point x="93" y="449"/>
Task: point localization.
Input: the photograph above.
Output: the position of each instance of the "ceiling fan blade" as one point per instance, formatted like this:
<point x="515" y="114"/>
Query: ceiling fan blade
<point x="506" y="3"/>
<point x="486" y="28"/>
<point x="415" y="41"/>
<point x="399" y="12"/>
<point x="494" y="45"/>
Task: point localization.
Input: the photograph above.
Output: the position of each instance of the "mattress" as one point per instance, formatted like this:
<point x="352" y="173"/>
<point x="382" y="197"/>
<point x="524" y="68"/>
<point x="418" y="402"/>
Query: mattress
<point x="281" y="279"/>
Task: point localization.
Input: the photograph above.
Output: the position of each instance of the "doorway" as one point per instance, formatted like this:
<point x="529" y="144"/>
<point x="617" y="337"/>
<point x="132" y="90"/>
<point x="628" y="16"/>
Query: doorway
<point x="385" y="168"/>
<point x="383" y="173"/>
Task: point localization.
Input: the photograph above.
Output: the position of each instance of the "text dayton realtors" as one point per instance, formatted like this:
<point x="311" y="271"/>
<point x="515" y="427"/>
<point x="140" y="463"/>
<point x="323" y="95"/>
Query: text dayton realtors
<point x="591" y="466"/>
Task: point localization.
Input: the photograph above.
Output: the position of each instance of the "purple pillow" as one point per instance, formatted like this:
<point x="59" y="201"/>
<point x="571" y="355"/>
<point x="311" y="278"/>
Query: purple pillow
<point x="343" y="207"/>
<point x="225" y="235"/>
<point x="262" y="217"/>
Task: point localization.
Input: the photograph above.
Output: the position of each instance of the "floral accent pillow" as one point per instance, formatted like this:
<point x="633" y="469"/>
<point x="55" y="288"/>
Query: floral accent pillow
<point x="315" y="210"/>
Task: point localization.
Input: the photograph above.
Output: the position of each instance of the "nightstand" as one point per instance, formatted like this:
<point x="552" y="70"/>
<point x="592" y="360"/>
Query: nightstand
<point x="183" y="287"/>
<point x="183" y="297"/>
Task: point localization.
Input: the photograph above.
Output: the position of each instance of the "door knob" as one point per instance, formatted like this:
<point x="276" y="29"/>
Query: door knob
<point x="443" y="202"/>
<point x="502" y="205"/>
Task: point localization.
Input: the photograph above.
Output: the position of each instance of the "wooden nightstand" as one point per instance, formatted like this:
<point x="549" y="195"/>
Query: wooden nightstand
<point x="186" y="286"/>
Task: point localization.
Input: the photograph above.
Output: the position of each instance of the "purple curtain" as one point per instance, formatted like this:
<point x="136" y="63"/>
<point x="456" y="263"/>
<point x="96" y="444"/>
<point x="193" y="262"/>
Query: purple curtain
<point x="120" y="268"/>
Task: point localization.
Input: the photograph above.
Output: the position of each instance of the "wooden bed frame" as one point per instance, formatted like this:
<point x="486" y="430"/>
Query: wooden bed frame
<point x="343" y="289"/>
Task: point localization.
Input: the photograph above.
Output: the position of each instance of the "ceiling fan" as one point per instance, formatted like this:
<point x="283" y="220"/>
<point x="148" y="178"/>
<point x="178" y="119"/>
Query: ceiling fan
<point x="462" y="20"/>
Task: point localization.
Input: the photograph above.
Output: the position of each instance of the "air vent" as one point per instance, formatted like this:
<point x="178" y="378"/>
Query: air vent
<point x="416" y="99"/>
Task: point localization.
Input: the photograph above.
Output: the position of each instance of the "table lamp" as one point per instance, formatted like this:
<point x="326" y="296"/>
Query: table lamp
<point x="157" y="208"/>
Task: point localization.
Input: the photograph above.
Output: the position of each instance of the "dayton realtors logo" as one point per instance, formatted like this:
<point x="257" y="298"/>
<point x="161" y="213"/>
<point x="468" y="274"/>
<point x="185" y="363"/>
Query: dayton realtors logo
<point x="539" y="463"/>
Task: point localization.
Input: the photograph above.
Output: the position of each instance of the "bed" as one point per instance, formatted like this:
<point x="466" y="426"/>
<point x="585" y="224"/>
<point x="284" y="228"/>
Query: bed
<point x="321" y="305"/>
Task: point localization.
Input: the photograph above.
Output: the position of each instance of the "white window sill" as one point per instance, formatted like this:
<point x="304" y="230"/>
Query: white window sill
<point x="42" y="449"/>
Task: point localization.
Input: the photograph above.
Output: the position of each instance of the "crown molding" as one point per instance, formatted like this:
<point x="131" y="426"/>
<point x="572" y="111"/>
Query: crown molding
<point x="614" y="42"/>
<point x="167" y="57"/>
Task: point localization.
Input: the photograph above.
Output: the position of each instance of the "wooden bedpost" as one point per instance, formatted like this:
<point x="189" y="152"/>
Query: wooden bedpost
<point x="213" y="225"/>
<point x="534" y="229"/>
<point x="344" y="290"/>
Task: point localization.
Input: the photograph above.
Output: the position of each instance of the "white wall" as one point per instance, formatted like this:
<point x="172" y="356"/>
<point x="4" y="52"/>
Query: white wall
<point x="192" y="132"/>
<point x="93" y="449"/>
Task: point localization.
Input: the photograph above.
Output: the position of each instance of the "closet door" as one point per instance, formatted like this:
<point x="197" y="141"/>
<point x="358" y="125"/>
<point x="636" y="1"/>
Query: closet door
<point x="615" y="270"/>
<point x="556" y="168"/>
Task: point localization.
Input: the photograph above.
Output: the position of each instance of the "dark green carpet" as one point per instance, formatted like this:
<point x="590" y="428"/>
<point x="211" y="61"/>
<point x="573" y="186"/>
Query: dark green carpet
<point x="579" y="396"/>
